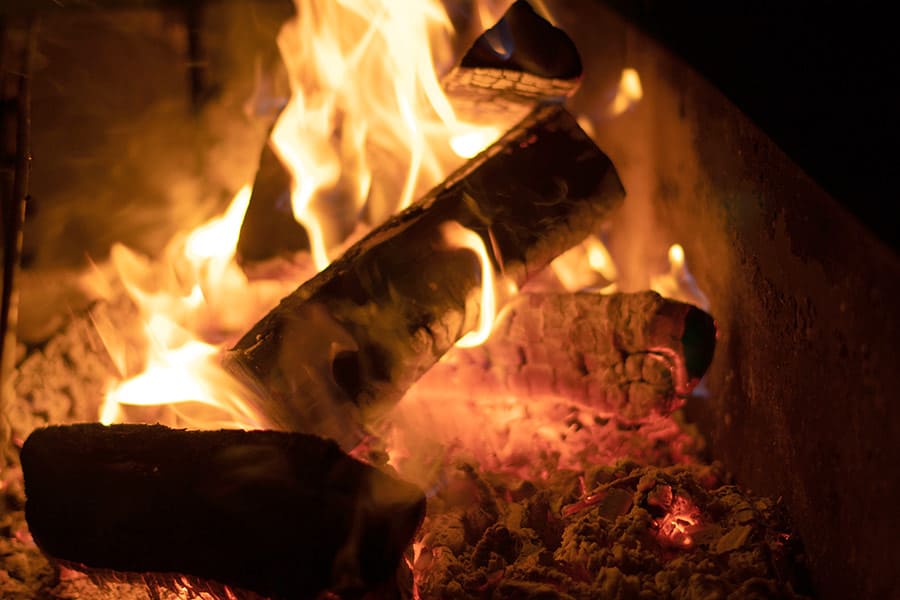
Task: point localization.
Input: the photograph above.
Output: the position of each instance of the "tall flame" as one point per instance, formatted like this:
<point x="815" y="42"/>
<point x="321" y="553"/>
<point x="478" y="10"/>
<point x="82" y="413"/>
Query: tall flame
<point x="366" y="97"/>
<point x="460" y="237"/>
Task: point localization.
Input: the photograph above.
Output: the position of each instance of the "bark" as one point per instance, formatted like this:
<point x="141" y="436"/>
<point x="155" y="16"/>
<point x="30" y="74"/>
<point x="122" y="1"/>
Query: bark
<point x="348" y="343"/>
<point x="284" y="515"/>
<point x="624" y="356"/>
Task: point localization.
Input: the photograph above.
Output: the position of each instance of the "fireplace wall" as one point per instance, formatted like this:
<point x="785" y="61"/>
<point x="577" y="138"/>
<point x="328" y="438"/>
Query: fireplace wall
<point x="802" y="392"/>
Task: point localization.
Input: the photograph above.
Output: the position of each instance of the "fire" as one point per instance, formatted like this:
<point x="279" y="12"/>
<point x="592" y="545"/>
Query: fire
<point x="677" y="282"/>
<point x="458" y="236"/>
<point x="366" y="97"/>
<point x="628" y="93"/>
<point x="677" y="526"/>
<point x="196" y="291"/>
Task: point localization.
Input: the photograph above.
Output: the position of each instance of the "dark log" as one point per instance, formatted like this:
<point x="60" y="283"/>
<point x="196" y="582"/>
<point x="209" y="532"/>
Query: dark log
<point x="269" y="228"/>
<point x="520" y="61"/>
<point x="285" y="515"/>
<point x="625" y="356"/>
<point x="348" y="343"/>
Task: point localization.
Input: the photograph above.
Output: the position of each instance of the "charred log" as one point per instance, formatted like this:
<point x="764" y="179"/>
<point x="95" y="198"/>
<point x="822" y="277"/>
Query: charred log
<point x="269" y="227"/>
<point x="284" y="515"/>
<point x="349" y="342"/>
<point x="627" y="356"/>
<point x="520" y="61"/>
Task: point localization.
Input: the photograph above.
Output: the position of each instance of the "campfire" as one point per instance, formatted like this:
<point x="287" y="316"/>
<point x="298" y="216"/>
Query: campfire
<point x="404" y="361"/>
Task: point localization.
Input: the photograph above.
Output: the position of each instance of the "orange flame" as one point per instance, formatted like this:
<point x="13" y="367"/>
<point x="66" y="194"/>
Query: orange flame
<point x="458" y="236"/>
<point x="677" y="526"/>
<point x="195" y="291"/>
<point x="678" y="283"/>
<point x="366" y="96"/>
<point x="629" y="92"/>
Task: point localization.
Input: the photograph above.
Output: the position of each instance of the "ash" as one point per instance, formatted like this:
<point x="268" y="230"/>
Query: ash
<point x="613" y="532"/>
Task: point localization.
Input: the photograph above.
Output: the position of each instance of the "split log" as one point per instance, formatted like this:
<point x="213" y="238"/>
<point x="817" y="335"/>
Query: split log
<point x="519" y="62"/>
<point x="285" y="515"/>
<point x="625" y="356"/>
<point x="348" y="343"/>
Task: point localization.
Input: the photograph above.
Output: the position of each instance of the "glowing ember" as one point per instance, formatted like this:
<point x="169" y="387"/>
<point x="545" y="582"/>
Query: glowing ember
<point x="678" y="525"/>
<point x="195" y="292"/>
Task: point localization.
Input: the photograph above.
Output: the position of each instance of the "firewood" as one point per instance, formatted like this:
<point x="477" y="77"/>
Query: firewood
<point x="520" y="61"/>
<point x="285" y="515"/>
<point x="624" y="356"/>
<point x="348" y="343"/>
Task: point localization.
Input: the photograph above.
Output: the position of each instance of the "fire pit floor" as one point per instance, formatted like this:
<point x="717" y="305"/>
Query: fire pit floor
<point x="647" y="519"/>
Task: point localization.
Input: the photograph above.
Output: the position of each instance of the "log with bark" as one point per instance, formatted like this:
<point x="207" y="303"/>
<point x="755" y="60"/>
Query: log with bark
<point x="285" y="515"/>
<point x="625" y="356"/>
<point x="349" y="342"/>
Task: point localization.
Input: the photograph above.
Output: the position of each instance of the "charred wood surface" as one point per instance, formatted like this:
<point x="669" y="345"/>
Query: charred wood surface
<point x="285" y="515"/>
<point x="520" y="61"/>
<point x="628" y="356"/>
<point x="269" y="227"/>
<point x="349" y="342"/>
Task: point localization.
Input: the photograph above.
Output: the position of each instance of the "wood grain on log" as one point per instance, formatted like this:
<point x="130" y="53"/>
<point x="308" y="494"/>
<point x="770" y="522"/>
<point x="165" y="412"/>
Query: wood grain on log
<point x="285" y="515"/>
<point x="348" y="343"/>
<point x="625" y="356"/>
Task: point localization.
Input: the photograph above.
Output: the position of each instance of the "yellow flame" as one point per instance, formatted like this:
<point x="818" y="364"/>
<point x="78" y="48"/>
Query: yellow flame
<point x="196" y="289"/>
<point x="678" y="283"/>
<point x="458" y="236"/>
<point x="470" y="143"/>
<point x="217" y="238"/>
<point x="366" y="97"/>
<point x="578" y="268"/>
<point x="629" y="92"/>
<point x="599" y="258"/>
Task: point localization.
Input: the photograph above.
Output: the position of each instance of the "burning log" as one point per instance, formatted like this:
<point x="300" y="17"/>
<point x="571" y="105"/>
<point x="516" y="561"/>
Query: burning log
<point x="284" y="515"/>
<point x="628" y="356"/>
<point x="520" y="61"/>
<point x="349" y="342"/>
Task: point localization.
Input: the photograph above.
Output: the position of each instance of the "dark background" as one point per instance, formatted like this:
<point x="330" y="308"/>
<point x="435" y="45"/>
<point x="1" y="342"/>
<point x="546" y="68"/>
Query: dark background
<point x="819" y="78"/>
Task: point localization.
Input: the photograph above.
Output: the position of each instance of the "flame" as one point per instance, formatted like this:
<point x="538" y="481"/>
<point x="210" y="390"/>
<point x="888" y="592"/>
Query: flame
<point x="458" y="236"/>
<point x="628" y="93"/>
<point x="578" y="268"/>
<point x="678" y="283"/>
<point x="366" y="96"/>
